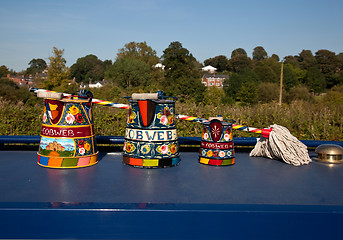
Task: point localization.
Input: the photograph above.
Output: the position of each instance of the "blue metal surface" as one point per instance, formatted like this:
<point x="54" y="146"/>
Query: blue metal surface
<point x="257" y="198"/>
<point x="244" y="141"/>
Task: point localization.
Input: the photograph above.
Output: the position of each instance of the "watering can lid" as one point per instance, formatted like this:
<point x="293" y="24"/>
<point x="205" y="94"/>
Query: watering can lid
<point x="140" y="96"/>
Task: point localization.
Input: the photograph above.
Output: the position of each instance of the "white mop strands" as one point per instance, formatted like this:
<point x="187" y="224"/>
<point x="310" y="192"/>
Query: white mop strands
<point x="282" y="145"/>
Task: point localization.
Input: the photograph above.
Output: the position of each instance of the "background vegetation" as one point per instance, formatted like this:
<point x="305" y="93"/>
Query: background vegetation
<point x="312" y="103"/>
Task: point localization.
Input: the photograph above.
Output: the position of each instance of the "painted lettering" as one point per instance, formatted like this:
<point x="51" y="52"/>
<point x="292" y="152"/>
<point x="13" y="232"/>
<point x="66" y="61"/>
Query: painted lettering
<point x="131" y="134"/>
<point x="149" y="136"/>
<point x="160" y="136"/>
<point x="169" y="135"/>
<point x="139" y="135"/>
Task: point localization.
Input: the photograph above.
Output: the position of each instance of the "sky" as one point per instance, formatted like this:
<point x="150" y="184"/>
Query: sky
<point x="30" y="29"/>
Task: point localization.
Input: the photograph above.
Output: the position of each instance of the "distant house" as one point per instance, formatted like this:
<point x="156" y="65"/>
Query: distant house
<point x="209" y="69"/>
<point x="214" y="80"/>
<point x="21" y="80"/>
<point x="159" y="65"/>
<point x="93" y="85"/>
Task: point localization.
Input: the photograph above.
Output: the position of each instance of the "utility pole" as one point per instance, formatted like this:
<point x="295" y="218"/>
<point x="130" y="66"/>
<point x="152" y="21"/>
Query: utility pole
<point x="281" y="80"/>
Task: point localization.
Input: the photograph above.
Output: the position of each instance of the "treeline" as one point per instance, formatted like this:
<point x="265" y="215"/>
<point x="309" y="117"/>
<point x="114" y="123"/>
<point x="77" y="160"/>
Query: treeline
<point x="249" y="94"/>
<point x="250" y="80"/>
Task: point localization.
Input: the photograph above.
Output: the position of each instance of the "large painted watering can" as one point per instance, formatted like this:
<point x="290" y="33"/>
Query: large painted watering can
<point x="216" y="147"/>
<point x="67" y="135"/>
<point x="150" y="137"/>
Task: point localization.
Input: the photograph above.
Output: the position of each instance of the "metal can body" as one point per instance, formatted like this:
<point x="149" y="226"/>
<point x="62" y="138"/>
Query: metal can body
<point x="150" y="137"/>
<point x="217" y="148"/>
<point x="67" y="135"/>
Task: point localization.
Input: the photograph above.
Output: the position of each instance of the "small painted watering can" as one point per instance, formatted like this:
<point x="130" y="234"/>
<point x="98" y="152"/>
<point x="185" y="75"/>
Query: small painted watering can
<point x="150" y="137"/>
<point x="216" y="147"/>
<point x="67" y="135"/>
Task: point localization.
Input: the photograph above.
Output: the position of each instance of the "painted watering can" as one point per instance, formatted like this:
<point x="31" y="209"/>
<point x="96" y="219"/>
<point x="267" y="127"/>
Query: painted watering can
<point x="150" y="137"/>
<point x="216" y="147"/>
<point x="67" y="135"/>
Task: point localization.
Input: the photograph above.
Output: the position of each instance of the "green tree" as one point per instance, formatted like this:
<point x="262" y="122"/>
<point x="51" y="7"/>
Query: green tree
<point x="129" y="72"/>
<point x="36" y="66"/>
<point x="234" y="84"/>
<point x="266" y="74"/>
<point x="140" y="51"/>
<point x="315" y="80"/>
<point x="247" y="95"/>
<point x="292" y="60"/>
<point x="58" y="72"/>
<point x="330" y="65"/>
<point x="220" y="62"/>
<point x="238" y="51"/>
<point x="306" y="59"/>
<point x="239" y="63"/>
<point x="3" y="71"/>
<point x="289" y="77"/>
<point x="88" y="69"/>
<point x="268" y="92"/>
<point x="259" y="54"/>
<point x="182" y="74"/>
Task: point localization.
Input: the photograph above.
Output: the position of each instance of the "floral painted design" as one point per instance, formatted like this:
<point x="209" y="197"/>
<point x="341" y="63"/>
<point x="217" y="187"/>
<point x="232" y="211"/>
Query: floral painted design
<point x="226" y="137"/>
<point x="228" y="134"/>
<point x="74" y="115"/>
<point x="74" y="110"/>
<point x="221" y="154"/>
<point x="166" y="116"/>
<point x="70" y="118"/>
<point x="145" y="149"/>
<point x="172" y="148"/>
<point x="87" y="147"/>
<point x="79" y="118"/>
<point x="131" y="116"/>
<point x="129" y="147"/>
<point x="45" y="117"/>
<point x="163" y="149"/>
<point x="209" y="153"/>
<point x="81" y="143"/>
<point x="82" y="151"/>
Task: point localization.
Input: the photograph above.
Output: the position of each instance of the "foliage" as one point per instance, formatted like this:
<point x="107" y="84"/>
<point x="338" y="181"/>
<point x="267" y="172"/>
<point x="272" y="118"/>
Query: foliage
<point x="58" y="72"/>
<point x="88" y="69"/>
<point x="247" y="95"/>
<point x="239" y="63"/>
<point x="12" y="92"/>
<point x="3" y="71"/>
<point x="182" y="76"/>
<point x="220" y="62"/>
<point x="236" y="80"/>
<point x="238" y="51"/>
<point x="299" y="93"/>
<point x="129" y="72"/>
<point x="315" y="80"/>
<point x="36" y="66"/>
<point x="140" y="51"/>
<point x="259" y="54"/>
<point x="268" y="92"/>
<point x="316" y="120"/>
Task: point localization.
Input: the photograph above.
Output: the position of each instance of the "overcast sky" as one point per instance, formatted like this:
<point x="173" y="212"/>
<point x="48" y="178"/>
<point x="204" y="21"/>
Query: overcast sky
<point x="30" y="29"/>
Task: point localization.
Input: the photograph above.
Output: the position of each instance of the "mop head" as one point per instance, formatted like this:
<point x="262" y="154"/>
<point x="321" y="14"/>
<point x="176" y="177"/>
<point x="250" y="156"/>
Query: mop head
<point x="282" y="145"/>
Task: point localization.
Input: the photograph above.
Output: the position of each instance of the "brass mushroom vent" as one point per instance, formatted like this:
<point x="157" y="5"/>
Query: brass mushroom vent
<point x="329" y="153"/>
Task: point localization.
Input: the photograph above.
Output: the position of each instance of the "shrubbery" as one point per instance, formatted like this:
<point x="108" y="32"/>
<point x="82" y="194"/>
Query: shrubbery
<point x="305" y="117"/>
